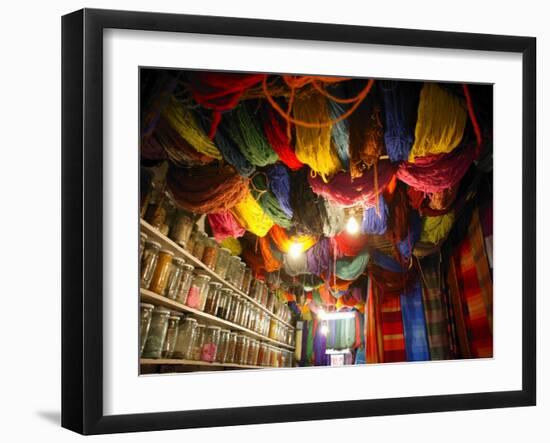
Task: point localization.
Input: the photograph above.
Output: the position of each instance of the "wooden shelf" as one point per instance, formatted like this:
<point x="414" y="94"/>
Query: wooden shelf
<point x="190" y="258"/>
<point x="174" y="361"/>
<point x="156" y="299"/>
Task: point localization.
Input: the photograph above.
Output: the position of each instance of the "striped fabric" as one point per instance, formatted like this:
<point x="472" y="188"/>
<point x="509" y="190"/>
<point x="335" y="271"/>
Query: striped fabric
<point x="476" y="289"/>
<point x="414" y="324"/>
<point x="437" y="320"/>
<point x="457" y="314"/>
<point x="373" y="332"/>
<point x="392" y="328"/>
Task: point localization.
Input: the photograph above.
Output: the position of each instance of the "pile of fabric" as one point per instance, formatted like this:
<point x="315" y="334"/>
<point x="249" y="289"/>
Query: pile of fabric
<point x="364" y="196"/>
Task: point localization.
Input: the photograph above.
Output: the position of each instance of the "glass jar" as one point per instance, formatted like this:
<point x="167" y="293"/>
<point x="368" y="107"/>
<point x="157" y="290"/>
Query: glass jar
<point x="148" y="262"/>
<point x="261" y="354"/>
<point x="247" y="280"/>
<point x="235" y="309"/>
<point x="199" y="284"/>
<point x="142" y="240"/>
<point x="274" y="363"/>
<point x="210" y="343"/>
<point x="270" y="301"/>
<point x="223" y="301"/>
<point x="171" y="335"/>
<point x="240" y="351"/>
<point x="204" y="292"/>
<point x="171" y="290"/>
<point x="162" y="271"/>
<point x="253" y="318"/>
<point x="267" y="355"/>
<point x="242" y="318"/>
<point x="156" y="210"/>
<point x="184" y="283"/>
<point x="233" y="271"/>
<point x="253" y="349"/>
<point x="210" y="253"/>
<point x="186" y="334"/>
<point x="212" y="299"/>
<point x="199" y="244"/>
<point x="221" y="355"/>
<point x="161" y="214"/>
<point x="256" y="290"/>
<point x="191" y="242"/>
<point x="231" y="345"/>
<point x="264" y="295"/>
<point x="182" y="227"/>
<point x="157" y="333"/>
<point x="145" y="313"/>
<point x="222" y="262"/>
<point x="272" y="328"/>
<point x="197" y="343"/>
<point x="239" y="274"/>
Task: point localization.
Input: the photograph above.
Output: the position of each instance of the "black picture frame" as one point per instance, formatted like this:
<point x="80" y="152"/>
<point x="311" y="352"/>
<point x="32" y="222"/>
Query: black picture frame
<point x="82" y="218"/>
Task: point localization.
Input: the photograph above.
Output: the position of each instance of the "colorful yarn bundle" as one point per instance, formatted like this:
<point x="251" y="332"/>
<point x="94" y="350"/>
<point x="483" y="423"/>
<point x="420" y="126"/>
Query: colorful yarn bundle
<point x="436" y="229"/>
<point x="224" y="225"/>
<point x="271" y="263"/>
<point x="232" y="154"/>
<point x="279" y="185"/>
<point x="440" y="124"/>
<point x="375" y="220"/>
<point x="406" y="246"/>
<point x="220" y="91"/>
<point x="332" y="218"/>
<point x="345" y="192"/>
<point x="268" y="202"/>
<point x="319" y="257"/>
<point x="244" y="129"/>
<point x="340" y="133"/>
<point x="400" y="111"/>
<point x="366" y="137"/>
<point x="313" y="144"/>
<point x="442" y="200"/>
<point x="205" y="189"/>
<point x="435" y="173"/>
<point x="351" y="269"/>
<point x="307" y="206"/>
<point x="275" y="132"/>
<point x="233" y="245"/>
<point x="399" y="212"/>
<point x="349" y="245"/>
<point x="184" y="122"/>
<point x="251" y="216"/>
<point x="284" y="242"/>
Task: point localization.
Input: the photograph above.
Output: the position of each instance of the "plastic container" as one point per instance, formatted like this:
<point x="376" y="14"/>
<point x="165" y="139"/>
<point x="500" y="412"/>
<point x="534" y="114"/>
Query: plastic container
<point x="186" y="334"/>
<point x="182" y="227"/>
<point x="157" y="333"/>
<point x="199" y="244"/>
<point x="221" y="355"/>
<point x="231" y="346"/>
<point x="222" y="262"/>
<point x="162" y="271"/>
<point x="197" y="343"/>
<point x="212" y="299"/>
<point x="145" y="314"/>
<point x="171" y="290"/>
<point x="210" y="253"/>
<point x="184" y="283"/>
<point x="171" y="335"/>
<point x="148" y="262"/>
<point x="199" y="285"/>
<point x="210" y="343"/>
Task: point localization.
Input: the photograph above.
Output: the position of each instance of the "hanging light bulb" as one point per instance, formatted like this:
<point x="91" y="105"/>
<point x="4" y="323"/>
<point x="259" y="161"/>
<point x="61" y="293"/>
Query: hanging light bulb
<point x="352" y="227"/>
<point x="295" y="249"/>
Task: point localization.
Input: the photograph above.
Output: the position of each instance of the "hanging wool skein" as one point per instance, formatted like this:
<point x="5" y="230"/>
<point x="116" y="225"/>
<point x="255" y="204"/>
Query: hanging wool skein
<point x="436" y="229"/>
<point x="366" y="136"/>
<point x="244" y="129"/>
<point x="306" y="205"/>
<point x="233" y="245"/>
<point x="333" y="218"/>
<point x="184" y="122"/>
<point x="271" y="263"/>
<point x="375" y="220"/>
<point x="406" y="246"/>
<point x="275" y="132"/>
<point x="231" y="152"/>
<point x="313" y="144"/>
<point x="400" y="111"/>
<point x="224" y="225"/>
<point x="319" y="257"/>
<point x="268" y="202"/>
<point x="399" y="212"/>
<point x="440" y="124"/>
<point x="211" y="188"/>
<point x="340" y="133"/>
<point x="351" y="269"/>
<point x="284" y="242"/>
<point x="279" y="184"/>
<point x="345" y="192"/>
<point x="220" y="91"/>
<point x="251" y="216"/>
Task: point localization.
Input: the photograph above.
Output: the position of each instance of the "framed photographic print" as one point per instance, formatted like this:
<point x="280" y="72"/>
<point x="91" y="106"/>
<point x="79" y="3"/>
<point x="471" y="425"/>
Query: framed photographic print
<point x="271" y="221"/>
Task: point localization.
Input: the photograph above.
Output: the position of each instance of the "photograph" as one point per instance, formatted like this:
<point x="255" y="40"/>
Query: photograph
<point x="291" y="220"/>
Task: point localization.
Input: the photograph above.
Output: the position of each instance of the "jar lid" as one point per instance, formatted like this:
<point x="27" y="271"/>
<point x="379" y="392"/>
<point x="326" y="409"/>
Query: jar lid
<point x="191" y="319"/>
<point x="179" y="261"/>
<point x="167" y="251"/>
<point x="226" y="330"/>
<point x="200" y="325"/>
<point x="142" y="235"/>
<point x="161" y="310"/>
<point x="216" y="328"/>
<point x="188" y="266"/>
<point x="203" y="274"/>
<point x="175" y="315"/>
<point x="215" y="283"/>
<point x="154" y="243"/>
<point x="225" y="249"/>
<point x="147" y="305"/>
<point x="234" y="333"/>
<point x="227" y="290"/>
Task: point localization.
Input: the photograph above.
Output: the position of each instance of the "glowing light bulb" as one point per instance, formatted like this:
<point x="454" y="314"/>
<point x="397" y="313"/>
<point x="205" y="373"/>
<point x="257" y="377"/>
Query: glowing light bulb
<point x="352" y="227"/>
<point x="295" y="250"/>
<point x="324" y="329"/>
